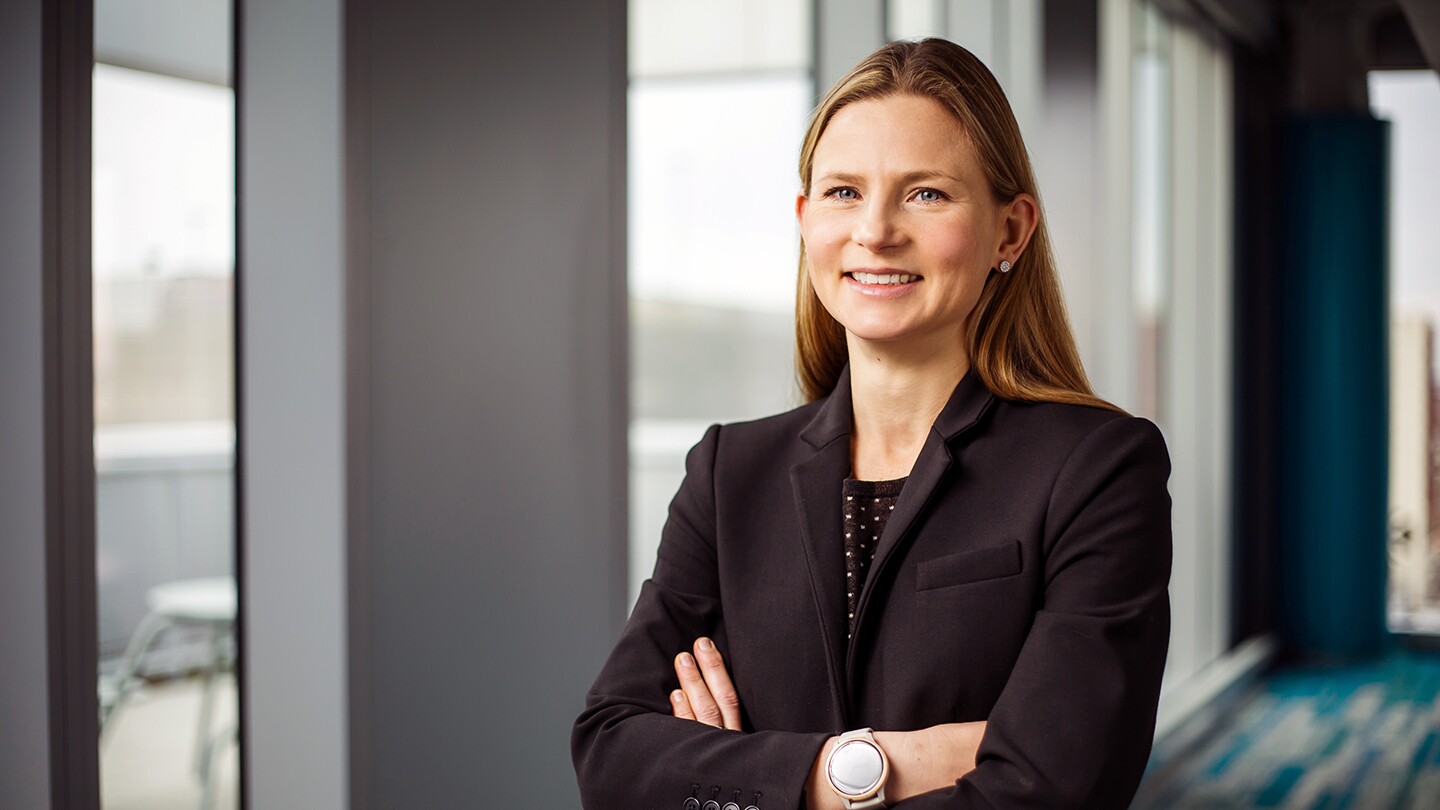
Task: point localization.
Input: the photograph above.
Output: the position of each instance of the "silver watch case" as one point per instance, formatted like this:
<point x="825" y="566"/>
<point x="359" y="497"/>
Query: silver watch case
<point x="857" y="769"/>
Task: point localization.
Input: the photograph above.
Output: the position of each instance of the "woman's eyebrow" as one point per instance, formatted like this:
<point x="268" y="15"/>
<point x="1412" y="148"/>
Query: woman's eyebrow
<point x="905" y="178"/>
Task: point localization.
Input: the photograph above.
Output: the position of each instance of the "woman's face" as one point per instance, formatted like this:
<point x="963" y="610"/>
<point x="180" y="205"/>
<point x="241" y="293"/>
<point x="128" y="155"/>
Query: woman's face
<point x="900" y="227"/>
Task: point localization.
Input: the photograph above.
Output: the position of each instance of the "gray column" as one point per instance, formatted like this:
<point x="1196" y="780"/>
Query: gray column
<point x="434" y="395"/>
<point x="495" y="328"/>
<point x="845" y="32"/>
<point x="292" y="415"/>
<point x="24" y="702"/>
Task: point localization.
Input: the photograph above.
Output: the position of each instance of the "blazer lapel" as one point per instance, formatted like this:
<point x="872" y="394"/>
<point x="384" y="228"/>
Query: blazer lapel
<point x="816" y="482"/>
<point x="966" y="405"/>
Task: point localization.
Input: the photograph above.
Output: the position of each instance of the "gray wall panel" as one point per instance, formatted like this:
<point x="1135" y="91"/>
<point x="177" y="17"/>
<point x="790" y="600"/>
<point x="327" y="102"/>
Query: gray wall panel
<point x="292" y="299"/>
<point x="24" y="721"/>
<point x="846" y="31"/>
<point x="497" y="393"/>
<point x="1068" y="173"/>
<point x="434" y="395"/>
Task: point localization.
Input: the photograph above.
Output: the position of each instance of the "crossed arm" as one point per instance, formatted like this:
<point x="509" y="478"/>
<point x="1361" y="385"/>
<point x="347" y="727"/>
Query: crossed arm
<point x="920" y="761"/>
<point x="1072" y="727"/>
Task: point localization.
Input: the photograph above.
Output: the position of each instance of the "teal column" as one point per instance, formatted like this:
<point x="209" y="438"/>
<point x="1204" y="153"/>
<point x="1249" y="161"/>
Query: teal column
<point x="1334" y="442"/>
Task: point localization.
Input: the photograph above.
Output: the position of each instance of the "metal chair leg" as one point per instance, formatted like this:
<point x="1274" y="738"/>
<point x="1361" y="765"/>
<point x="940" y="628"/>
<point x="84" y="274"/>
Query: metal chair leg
<point x="209" y="762"/>
<point x="207" y="701"/>
<point x="150" y="627"/>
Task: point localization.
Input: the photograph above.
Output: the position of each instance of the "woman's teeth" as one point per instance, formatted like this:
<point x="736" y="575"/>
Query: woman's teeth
<point x="893" y="278"/>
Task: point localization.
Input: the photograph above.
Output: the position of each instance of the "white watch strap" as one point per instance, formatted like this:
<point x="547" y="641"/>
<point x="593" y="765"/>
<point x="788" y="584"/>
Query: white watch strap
<point x="878" y="800"/>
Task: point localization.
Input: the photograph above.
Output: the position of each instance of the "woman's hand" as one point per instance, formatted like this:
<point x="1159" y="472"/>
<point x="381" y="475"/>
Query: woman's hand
<point x="706" y="694"/>
<point x="920" y="761"/>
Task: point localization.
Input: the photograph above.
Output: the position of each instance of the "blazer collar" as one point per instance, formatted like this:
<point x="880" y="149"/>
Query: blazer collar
<point x="836" y="417"/>
<point x="817" y="480"/>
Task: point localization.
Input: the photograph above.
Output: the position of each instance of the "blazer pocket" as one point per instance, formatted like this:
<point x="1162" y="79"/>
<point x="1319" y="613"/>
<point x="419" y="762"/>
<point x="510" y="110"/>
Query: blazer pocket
<point x="971" y="565"/>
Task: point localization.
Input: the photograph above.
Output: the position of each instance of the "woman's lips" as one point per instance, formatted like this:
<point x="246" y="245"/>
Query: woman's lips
<point x="881" y="284"/>
<point x="866" y="277"/>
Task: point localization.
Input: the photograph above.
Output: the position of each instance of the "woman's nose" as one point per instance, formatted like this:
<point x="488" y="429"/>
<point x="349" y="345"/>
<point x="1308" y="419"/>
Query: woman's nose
<point x="876" y="228"/>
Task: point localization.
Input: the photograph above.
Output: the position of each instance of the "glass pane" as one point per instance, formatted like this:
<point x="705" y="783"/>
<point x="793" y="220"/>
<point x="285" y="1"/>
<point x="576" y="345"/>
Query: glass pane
<point x="163" y="219"/>
<point x="914" y="19"/>
<point x="1151" y="192"/>
<point x="686" y="38"/>
<point x="1410" y="101"/>
<point x="719" y="97"/>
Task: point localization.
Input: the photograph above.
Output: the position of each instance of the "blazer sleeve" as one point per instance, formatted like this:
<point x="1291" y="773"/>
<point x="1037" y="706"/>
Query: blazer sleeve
<point x="629" y="751"/>
<point x="1074" y="725"/>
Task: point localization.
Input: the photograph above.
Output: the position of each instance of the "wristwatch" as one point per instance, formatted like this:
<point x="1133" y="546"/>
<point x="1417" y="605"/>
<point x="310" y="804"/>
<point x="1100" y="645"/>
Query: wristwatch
<point x="857" y="769"/>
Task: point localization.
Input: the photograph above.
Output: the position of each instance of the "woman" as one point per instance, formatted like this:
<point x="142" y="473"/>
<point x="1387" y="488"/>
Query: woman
<point x="955" y="543"/>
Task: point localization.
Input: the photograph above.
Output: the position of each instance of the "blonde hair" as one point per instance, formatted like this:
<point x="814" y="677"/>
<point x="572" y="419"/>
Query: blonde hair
<point x="1017" y="337"/>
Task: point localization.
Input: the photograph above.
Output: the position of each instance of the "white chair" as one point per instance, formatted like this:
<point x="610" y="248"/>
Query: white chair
<point x="207" y="603"/>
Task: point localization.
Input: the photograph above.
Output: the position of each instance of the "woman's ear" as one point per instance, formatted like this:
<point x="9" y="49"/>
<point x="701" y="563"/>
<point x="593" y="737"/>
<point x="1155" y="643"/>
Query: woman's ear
<point x="801" y="201"/>
<point x="1019" y="218"/>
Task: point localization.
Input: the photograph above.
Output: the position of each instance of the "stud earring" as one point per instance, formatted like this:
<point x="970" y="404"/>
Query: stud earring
<point x="1004" y="266"/>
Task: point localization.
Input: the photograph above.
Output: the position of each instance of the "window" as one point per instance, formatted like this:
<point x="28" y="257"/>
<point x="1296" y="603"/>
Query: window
<point x="1410" y="101"/>
<point x="163" y="290"/>
<point x="720" y="93"/>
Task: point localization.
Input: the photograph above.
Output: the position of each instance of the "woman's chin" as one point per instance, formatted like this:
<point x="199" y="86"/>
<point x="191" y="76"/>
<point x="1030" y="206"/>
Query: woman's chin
<point x="891" y="337"/>
<point x="888" y="335"/>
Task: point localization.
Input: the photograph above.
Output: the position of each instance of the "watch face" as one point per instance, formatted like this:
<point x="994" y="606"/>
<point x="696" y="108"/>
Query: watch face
<point x="856" y="768"/>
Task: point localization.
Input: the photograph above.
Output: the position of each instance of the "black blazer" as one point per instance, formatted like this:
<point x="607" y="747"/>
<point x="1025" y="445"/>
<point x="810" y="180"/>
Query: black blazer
<point x="1021" y="580"/>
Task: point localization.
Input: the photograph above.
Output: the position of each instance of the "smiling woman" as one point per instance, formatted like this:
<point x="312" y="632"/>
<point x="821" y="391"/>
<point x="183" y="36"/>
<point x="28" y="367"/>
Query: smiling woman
<point x="942" y="582"/>
<point x="900" y="227"/>
<point x="969" y="140"/>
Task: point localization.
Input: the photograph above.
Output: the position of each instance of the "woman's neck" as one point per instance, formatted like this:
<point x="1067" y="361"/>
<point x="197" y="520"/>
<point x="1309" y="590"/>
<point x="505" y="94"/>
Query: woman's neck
<point x="896" y="392"/>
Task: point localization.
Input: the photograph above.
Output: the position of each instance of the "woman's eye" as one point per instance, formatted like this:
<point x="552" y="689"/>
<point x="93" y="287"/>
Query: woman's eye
<point x="843" y="193"/>
<point x="929" y="195"/>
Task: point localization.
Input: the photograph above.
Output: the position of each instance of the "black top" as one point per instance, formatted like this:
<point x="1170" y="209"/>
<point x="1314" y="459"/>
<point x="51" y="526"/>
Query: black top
<point x="867" y="507"/>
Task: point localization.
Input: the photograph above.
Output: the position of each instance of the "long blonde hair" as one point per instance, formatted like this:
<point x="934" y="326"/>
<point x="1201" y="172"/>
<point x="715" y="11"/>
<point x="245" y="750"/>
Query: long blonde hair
<point x="1017" y="337"/>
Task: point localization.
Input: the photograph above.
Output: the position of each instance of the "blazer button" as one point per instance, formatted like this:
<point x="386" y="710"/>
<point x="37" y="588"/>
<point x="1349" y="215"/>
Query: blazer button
<point x="692" y="803"/>
<point x="730" y="806"/>
<point x="712" y="805"/>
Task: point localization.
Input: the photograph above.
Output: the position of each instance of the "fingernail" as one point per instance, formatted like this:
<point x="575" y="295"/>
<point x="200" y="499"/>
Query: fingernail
<point x="686" y="661"/>
<point x="676" y="696"/>
<point x="706" y="645"/>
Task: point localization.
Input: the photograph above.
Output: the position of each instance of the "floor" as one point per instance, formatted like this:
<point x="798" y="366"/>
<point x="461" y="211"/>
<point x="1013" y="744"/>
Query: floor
<point x="147" y="761"/>
<point x="1319" y="738"/>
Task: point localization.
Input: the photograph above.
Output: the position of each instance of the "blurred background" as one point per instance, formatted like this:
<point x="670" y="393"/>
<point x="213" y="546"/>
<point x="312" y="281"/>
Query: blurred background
<point x="354" y="350"/>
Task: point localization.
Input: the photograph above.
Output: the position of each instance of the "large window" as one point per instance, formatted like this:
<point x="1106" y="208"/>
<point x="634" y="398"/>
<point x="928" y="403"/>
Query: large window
<point x="719" y="96"/>
<point x="1410" y="101"/>
<point x="163" y="290"/>
<point x="1162" y="321"/>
